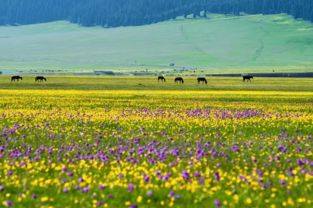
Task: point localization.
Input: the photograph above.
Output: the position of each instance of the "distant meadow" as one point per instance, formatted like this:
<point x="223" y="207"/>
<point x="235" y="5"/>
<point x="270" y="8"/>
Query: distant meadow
<point x="219" y="44"/>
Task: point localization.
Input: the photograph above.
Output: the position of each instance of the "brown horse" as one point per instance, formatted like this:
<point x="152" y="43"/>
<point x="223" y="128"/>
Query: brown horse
<point x="179" y="80"/>
<point x="40" y="79"/>
<point x="161" y="78"/>
<point x="202" y="80"/>
<point x="247" y="77"/>
<point x="16" y="78"/>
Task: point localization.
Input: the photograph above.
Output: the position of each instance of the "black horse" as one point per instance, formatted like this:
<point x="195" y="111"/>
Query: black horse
<point x="40" y="79"/>
<point x="179" y="80"/>
<point x="16" y="78"/>
<point x="202" y="80"/>
<point x="161" y="78"/>
<point x="247" y="77"/>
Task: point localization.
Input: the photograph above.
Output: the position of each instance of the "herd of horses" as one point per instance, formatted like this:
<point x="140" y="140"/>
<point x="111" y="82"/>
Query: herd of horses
<point x="200" y="80"/>
<point x="37" y="79"/>
<point x="179" y="80"/>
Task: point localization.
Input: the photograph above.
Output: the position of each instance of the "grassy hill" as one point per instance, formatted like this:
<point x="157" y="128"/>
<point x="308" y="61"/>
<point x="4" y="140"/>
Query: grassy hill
<point x="219" y="44"/>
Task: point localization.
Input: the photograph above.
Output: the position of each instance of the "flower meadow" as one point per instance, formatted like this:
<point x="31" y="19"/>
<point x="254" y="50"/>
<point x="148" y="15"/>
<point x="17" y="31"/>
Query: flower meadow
<point x="67" y="148"/>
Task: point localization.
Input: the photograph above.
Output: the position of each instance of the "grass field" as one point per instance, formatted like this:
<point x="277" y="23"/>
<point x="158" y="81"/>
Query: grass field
<point x="220" y="44"/>
<point x="94" y="142"/>
<point x="151" y="83"/>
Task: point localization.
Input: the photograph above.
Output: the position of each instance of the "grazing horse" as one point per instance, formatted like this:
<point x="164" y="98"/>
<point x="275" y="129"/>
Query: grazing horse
<point x="40" y="79"/>
<point x="16" y="78"/>
<point x="202" y="80"/>
<point x="247" y="77"/>
<point x="161" y="78"/>
<point x="179" y="80"/>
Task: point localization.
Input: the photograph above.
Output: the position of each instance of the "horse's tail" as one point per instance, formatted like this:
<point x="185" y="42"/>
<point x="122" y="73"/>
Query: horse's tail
<point x="206" y="82"/>
<point x="182" y="80"/>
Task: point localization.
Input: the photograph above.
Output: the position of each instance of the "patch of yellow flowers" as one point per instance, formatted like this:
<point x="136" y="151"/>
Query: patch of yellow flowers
<point x="155" y="148"/>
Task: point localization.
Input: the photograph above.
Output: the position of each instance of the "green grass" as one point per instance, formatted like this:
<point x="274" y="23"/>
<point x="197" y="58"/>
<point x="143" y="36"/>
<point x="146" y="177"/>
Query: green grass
<point x="150" y="83"/>
<point x="221" y="44"/>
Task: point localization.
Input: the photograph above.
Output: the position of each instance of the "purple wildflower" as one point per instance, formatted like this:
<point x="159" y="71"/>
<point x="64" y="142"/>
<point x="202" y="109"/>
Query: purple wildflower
<point x="300" y="162"/>
<point x="282" y="148"/>
<point x="101" y="187"/>
<point x="173" y="195"/>
<point x="86" y="189"/>
<point x="217" y="203"/>
<point x="9" y="203"/>
<point x="235" y="148"/>
<point x="149" y="193"/>
<point x="185" y="175"/>
<point x="283" y="182"/>
<point x="146" y="178"/>
<point x="217" y="176"/>
<point x="130" y="187"/>
<point x="197" y="174"/>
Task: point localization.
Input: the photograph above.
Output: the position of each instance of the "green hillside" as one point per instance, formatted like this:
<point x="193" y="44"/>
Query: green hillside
<point x="218" y="44"/>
